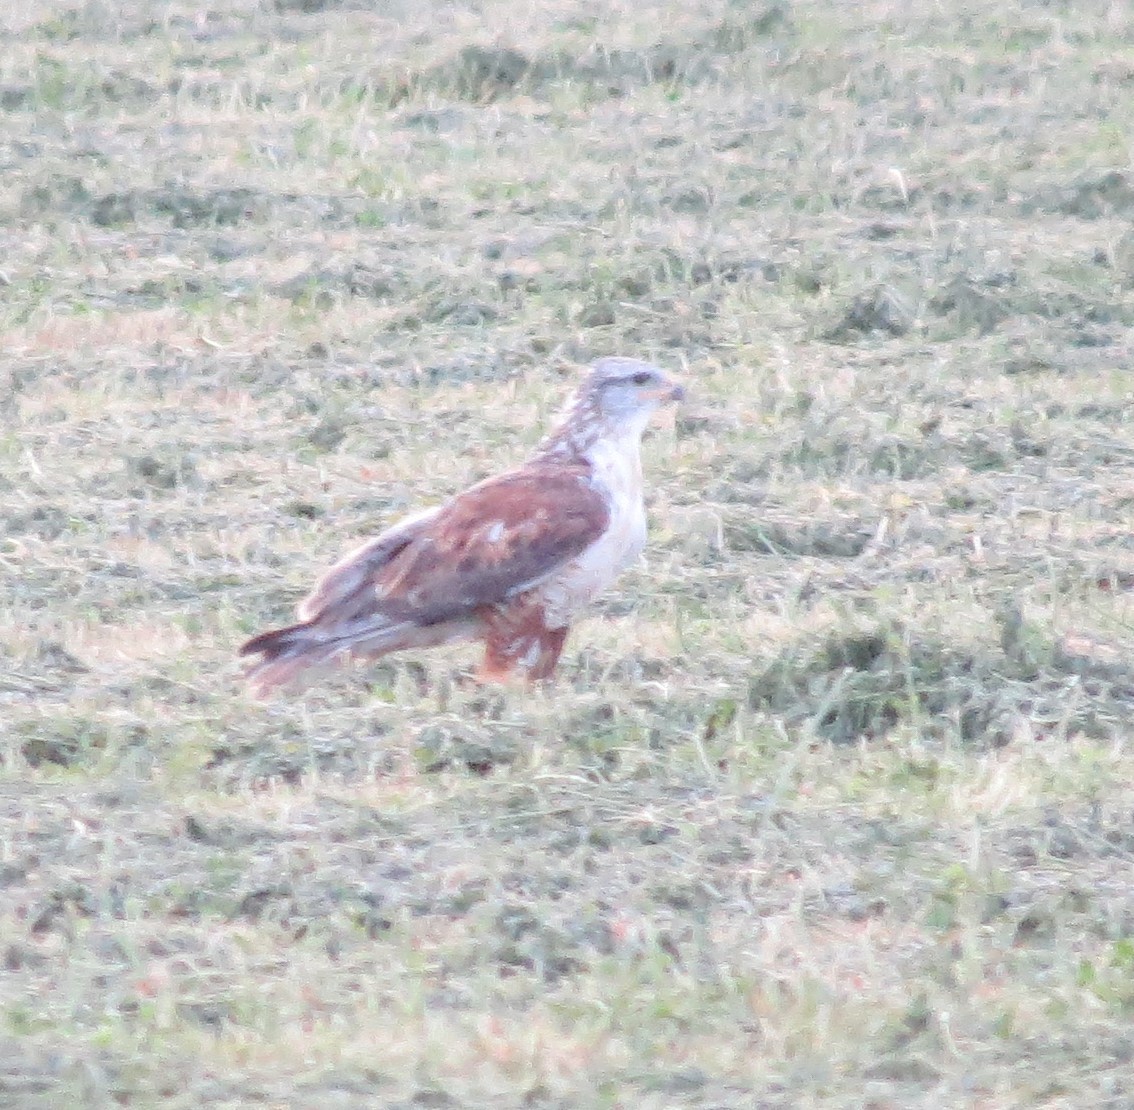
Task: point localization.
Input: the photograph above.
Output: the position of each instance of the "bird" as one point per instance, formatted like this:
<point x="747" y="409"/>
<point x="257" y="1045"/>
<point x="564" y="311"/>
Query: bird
<point x="510" y="562"/>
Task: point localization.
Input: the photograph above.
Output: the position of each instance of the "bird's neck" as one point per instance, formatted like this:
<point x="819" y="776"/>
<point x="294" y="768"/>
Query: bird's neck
<point x="610" y="450"/>
<point x="580" y="427"/>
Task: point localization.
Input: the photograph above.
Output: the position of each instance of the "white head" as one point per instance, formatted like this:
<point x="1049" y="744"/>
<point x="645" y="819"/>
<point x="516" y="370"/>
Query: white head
<point x="622" y="389"/>
<point x="616" y="398"/>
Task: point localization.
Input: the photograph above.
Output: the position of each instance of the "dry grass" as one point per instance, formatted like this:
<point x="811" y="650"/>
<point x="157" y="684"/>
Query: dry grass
<point x="831" y="805"/>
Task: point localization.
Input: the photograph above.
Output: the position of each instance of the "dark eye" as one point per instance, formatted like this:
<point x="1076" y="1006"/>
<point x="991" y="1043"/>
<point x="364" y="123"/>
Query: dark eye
<point x="642" y="378"/>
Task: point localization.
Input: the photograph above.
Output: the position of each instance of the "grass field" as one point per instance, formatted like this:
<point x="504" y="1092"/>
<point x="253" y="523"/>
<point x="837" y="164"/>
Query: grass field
<point x="832" y="802"/>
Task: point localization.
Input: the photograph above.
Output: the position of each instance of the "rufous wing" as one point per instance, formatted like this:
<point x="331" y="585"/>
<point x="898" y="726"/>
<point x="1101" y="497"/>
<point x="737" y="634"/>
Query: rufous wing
<point x="497" y="539"/>
<point x="434" y="578"/>
<point x="349" y="584"/>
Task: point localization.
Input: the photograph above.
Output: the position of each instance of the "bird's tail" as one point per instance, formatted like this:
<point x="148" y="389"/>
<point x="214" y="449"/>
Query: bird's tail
<point x="285" y="652"/>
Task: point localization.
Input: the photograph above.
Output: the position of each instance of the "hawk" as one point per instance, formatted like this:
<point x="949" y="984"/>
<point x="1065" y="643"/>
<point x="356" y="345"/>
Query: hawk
<point x="510" y="562"/>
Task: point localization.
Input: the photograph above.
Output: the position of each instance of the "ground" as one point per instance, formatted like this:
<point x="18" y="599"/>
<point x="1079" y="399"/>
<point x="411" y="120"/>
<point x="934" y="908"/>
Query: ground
<point x="831" y="804"/>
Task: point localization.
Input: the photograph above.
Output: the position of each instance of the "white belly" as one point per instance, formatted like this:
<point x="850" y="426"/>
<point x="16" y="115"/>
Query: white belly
<point x="618" y="474"/>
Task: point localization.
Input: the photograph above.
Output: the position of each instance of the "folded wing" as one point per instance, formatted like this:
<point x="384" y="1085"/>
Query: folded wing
<point x="492" y="542"/>
<point x="427" y="579"/>
<point x="349" y="583"/>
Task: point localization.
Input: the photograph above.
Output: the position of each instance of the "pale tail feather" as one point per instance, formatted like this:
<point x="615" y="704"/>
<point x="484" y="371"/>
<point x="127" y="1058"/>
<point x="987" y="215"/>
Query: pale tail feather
<point x="287" y="652"/>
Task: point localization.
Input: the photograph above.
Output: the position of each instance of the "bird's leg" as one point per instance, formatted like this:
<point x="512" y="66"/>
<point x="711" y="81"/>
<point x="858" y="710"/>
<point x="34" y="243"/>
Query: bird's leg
<point x="532" y="648"/>
<point x="550" y="648"/>
<point x="494" y="669"/>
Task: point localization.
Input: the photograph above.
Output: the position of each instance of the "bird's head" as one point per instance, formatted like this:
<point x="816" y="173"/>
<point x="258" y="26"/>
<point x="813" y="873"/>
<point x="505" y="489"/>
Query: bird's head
<point x="624" y="392"/>
<point x="615" y="400"/>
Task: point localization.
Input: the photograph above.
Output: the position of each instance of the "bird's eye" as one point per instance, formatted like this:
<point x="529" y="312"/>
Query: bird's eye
<point x="642" y="378"/>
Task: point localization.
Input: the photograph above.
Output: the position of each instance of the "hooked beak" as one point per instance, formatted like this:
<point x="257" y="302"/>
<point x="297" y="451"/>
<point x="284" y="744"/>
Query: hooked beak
<point x="675" y="391"/>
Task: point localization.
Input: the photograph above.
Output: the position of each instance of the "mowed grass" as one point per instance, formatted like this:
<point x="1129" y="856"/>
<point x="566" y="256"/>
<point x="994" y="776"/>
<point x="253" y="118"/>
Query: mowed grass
<point x="830" y="805"/>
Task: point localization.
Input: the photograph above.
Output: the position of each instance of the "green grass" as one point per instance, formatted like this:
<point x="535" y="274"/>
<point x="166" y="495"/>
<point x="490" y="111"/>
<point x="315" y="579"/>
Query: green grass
<point x="830" y="804"/>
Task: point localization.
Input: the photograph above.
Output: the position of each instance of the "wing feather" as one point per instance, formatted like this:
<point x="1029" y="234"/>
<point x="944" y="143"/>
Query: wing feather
<point x="427" y="579"/>
<point x="497" y="539"/>
<point x="349" y="585"/>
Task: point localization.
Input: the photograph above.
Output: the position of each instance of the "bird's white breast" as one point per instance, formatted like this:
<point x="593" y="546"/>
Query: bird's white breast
<point x="617" y="474"/>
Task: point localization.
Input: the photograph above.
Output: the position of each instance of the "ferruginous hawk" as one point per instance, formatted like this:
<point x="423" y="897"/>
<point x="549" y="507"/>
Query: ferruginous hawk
<point x="511" y="561"/>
